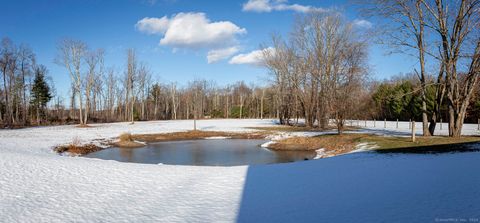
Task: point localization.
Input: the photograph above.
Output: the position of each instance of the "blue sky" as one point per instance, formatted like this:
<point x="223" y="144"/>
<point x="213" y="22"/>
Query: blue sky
<point x="112" y="25"/>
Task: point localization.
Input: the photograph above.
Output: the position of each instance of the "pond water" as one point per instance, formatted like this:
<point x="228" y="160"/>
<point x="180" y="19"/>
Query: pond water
<point x="218" y="152"/>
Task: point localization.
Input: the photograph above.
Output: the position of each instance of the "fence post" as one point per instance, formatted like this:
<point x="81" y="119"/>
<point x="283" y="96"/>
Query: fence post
<point x="397" y="123"/>
<point x="385" y="123"/>
<point x="365" y="123"/>
<point x="413" y="131"/>
<point x="410" y="124"/>
<point x="440" y="124"/>
<point x="478" y="127"/>
<point x="374" y="123"/>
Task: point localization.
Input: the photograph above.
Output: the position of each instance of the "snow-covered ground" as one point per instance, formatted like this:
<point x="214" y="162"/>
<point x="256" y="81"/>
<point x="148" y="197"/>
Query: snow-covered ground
<point x="37" y="185"/>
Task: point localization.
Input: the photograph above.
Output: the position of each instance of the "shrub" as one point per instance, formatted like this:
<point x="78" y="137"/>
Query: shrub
<point x="126" y="137"/>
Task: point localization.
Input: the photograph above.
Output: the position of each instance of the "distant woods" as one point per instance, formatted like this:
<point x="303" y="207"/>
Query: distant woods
<point x="105" y="94"/>
<point x="319" y="72"/>
<point x="26" y="87"/>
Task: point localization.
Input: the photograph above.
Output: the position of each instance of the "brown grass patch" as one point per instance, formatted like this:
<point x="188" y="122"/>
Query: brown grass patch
<point x="77" y="148"/>
<point x="385" y="142"/>
<point x="174" y="136"/>
<point x="335" y="144"/>
<point x="340" y="144"/>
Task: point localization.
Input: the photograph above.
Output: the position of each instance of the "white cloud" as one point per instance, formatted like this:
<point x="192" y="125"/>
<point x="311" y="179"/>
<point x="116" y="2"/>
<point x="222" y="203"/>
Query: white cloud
<point x="153" y="25"/>
<point x="362" y="23"/>
<point x="255" y="57"/>
<point x="257" y="6"/>
<point x="276" y="5"/>
<point x="221" y="54"/>
<point x="295" y="7"/>
<point x="191" y="31"/>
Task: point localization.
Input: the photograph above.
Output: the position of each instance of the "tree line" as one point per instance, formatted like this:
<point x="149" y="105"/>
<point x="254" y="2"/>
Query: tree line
<point x="104" y="94"/>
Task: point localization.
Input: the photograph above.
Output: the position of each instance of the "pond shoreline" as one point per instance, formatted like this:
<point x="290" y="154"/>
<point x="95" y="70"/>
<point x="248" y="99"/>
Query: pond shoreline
<point x="204" y="152"/>
<point x="141" y="140"/>
<point x="324" y="144"/>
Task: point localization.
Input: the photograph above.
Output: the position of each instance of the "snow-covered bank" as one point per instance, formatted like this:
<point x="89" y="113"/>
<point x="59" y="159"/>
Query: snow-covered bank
<point x="37" y="185"/>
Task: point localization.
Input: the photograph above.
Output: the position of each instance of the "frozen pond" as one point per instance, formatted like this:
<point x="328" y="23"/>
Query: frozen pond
<point x="218" y="152"/>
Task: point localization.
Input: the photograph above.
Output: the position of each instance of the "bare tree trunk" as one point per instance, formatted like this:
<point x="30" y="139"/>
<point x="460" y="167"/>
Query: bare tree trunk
<point x="227" y="111"/>
<point x="421" y="56"/>
<point x="261" y="104"/>
<point x="439" y="94"/>
<point x="72" y="102"/>
<point x="7" y="108"/>
<point x="241" y="106"/>
<point x="174" y="103"/>
<point x="132" y="120"/>
<point x="82" y="122"/>
<point x="155" y="110"/>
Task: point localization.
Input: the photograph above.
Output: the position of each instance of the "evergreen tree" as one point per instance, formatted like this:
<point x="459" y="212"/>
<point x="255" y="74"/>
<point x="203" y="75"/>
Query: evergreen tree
<point x="40" y="94"/>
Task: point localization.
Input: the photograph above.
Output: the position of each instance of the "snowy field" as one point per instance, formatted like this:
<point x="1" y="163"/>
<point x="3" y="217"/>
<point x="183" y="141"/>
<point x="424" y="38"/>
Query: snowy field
<point x="37" y="185"/>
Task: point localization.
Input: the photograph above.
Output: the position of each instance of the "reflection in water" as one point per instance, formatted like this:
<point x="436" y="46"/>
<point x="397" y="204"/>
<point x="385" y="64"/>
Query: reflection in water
<point x="228" y="152"/>
<point x="127" y="154"/>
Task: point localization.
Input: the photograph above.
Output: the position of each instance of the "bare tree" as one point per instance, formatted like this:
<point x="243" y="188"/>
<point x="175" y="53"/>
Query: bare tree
<point x="277" y="61"/>
<point x="457" y="25"/>
<point x="143" y="77"/>
<point x="130" y="81"/>
<point x="7" y="66"/>
<point x="174" y="101"/>
<point x="404" y="30"/>
<point x="92" y="58"/>
<point x="111" y="84"/>
<point x="27" y="62"/>
<point x="71" y="54"/>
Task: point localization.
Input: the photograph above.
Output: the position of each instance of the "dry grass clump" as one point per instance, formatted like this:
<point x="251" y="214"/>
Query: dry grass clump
<point x="76" y="148"/>
<point x="126" y="137"/>
<point x="126" y="140"/>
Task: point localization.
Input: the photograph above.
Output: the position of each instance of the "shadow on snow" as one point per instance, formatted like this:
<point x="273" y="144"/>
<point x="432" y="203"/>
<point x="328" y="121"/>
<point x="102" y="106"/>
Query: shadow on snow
<point x="364" y="187"/>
